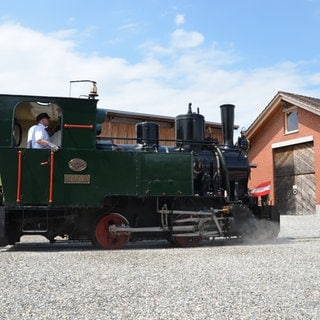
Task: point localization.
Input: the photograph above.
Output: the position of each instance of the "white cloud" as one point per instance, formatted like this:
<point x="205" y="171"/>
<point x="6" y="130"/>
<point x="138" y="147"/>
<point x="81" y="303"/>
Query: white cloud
<point x="39" y="64"/>
<point x="129" y="27"/>
<point x="186" y="39"/>
<point x="180" y="19"/>
<point x="64" y="34"/>
<point x="159" y="50"/>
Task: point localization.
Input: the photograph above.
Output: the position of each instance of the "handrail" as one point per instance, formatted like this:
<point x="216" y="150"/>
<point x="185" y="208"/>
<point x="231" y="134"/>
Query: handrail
<point x="19" y="174"/>
<point x="51" y="176"/>
<point x="77" y="126"/>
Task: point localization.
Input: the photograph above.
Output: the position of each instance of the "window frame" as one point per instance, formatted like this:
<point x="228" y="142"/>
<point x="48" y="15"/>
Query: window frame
<point x="287" y="112"/>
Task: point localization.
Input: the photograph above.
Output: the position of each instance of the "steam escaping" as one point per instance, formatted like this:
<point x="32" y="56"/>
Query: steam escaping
<point x="250" y="228"/>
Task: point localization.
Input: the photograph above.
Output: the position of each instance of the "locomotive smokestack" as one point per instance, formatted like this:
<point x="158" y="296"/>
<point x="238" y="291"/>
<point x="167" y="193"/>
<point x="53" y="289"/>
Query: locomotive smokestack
<point x="227" y="120"/>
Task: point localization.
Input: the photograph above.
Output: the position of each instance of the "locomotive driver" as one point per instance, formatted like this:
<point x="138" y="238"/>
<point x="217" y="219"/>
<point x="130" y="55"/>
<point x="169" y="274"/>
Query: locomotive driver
<point x="243" y="142"/>
<point x="38" y="134"/>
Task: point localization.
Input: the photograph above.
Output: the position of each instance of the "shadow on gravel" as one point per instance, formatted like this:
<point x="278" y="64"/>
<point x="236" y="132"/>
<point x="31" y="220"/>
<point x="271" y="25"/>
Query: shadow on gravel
<point x="69" y="246"/>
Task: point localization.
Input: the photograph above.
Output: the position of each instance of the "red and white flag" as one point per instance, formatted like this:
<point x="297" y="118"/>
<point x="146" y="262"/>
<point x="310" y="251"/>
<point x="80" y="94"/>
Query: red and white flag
<point x="262" y="189"/>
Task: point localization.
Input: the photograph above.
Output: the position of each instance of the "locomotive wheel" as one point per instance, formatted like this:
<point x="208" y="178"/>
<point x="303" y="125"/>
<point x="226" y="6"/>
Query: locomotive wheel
<point x="111" y="240"/>
<point x="185" y="241"/>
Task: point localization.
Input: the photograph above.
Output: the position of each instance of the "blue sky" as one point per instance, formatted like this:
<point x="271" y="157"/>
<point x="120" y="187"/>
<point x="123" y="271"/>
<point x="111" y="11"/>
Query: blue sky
<point x="156" y="56"/>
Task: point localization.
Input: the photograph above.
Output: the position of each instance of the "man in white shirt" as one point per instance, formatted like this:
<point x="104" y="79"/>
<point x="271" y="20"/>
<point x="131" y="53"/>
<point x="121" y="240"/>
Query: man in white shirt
<point x="30" y="134"/>
<point x="38" y="135"/>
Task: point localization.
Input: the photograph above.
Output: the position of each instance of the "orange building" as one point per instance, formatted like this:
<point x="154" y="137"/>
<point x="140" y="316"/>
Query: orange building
<point x="285" y="147"/>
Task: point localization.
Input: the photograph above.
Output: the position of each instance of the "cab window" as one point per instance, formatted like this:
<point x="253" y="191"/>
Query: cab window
<point x="25" y="118"/>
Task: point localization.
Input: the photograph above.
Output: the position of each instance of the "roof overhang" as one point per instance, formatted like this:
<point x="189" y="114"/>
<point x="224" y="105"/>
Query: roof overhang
<point x="276" y="103"/>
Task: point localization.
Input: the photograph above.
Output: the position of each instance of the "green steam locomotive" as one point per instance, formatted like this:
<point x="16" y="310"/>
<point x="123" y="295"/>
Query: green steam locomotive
<point x="94" y="190"/>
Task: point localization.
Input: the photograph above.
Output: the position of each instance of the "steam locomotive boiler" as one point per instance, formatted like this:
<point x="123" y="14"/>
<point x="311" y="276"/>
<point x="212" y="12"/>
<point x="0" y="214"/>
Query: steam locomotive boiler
<point x="94" y="190"/>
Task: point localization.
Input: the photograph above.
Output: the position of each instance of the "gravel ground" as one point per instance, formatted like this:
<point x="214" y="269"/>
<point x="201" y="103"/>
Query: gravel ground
<point x="220" y="280"/>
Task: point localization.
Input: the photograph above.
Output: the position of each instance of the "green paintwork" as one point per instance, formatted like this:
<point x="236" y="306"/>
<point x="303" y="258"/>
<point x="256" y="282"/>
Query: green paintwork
<point x="107" y="173"/>
<point x="110" y="172"/>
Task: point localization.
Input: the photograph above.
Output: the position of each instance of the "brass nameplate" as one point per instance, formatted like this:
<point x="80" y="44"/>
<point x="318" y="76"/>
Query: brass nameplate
<point x="77" y="164"/>
<point x="77" y="178"/>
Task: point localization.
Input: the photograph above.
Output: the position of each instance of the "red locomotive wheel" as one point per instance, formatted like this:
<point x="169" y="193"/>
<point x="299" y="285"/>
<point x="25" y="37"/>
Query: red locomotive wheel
<point x="185" y="241"/>
<point x="111" y="240"/>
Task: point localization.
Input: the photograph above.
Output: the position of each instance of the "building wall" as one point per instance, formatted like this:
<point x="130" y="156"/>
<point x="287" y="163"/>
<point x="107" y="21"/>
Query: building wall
<point x="261" y="152"/>
<point x="123" y="129"/>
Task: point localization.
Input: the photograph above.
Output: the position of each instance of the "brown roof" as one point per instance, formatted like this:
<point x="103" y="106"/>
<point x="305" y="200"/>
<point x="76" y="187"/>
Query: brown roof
<point x="308" y="103"/>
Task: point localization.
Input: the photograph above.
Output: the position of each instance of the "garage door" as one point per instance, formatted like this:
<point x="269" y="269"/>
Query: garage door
<point x="295" y="187"/>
